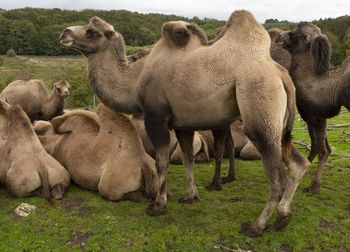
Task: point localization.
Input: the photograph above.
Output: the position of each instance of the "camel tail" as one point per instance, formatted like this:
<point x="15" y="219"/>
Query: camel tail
<point x="44" y="177"/>
<point x="150" y="176"/>
<point x="289" y="116"/>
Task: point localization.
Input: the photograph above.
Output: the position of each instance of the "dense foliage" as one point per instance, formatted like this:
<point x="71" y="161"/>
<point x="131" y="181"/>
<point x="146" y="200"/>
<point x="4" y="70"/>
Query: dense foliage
<point x="34" y="31"/>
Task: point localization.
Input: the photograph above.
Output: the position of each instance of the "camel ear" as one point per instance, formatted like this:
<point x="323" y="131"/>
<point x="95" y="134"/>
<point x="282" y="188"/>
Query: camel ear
<point x="321" y="54"/>
<point x="4" y="107"/>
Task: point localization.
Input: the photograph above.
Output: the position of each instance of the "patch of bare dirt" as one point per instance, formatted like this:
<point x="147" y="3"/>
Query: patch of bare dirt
<point x="325" y="224"/>
<point x="286" y="248"/>
<point x="69" y="203"/>
<point x="79" y="238"/>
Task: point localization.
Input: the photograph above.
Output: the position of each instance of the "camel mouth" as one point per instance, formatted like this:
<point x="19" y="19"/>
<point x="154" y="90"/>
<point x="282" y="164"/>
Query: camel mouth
<point x="66" y="43"/>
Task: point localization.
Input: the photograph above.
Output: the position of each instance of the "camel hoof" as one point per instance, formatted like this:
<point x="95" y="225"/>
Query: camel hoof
<point x="186" y="200"/>
<point x="249" y="230"/>
<point x="282" y="221"/>
<point x="227" y="179"/>
<point x="214" y="187"/>
<point x="156" y="209"/>
<point x="313" y="189"/>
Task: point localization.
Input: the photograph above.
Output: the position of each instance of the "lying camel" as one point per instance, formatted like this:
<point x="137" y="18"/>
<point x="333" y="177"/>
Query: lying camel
<point x="186" y="86"/>
<point x="321" y="91"/>
<point x="26" y="169"/>
<point x="103" y="153"/>
<point x="35" y="99"/>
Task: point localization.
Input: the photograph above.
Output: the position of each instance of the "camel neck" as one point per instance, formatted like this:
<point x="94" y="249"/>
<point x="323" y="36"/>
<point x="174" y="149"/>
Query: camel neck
<point x="301" y="67"/>
<point x="53" y="107"/>
<point x="114" y="81"/>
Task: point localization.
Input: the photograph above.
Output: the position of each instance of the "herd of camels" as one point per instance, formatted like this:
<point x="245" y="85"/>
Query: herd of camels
<point x="243" y="86"/>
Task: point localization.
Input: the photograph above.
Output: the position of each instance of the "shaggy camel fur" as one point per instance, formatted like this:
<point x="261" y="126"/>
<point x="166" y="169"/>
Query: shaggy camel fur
<point x="320" y="91"/>
<point x="35" y="99"/>
<point x="279" y="54"/>
<point x="25" y="168"/>
<point x="187" y="85"/>
<point x="114" y="80"/>
<point x="102" y="152"/>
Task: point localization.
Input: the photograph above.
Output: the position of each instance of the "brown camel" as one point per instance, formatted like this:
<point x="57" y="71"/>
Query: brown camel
<point x="187" y="86"/>
<point x="25" y="168"/>
<point x="102" y="152"/>
<point x="279" y="54"/>
<point x="115" y="81"/>
<point x="35" y="99"/>
<point x="199" y="144"/>
<point x="243" y="147"/>
<point x="320" y="91"/>
<point x="46" y="135"/>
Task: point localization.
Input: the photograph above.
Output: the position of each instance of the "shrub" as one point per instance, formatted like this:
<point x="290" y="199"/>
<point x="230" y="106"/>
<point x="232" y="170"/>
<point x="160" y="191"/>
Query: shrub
<point x="11" y="53"/>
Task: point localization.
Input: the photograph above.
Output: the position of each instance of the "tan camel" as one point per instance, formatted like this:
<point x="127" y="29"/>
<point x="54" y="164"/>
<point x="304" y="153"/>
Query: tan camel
<point x="186" y="86"/>
<point x="102" y="152"/>
<point x="114" y="80"/>
<point x="46" y="134"/>
<point x="320" y="91"/>
<point x="25" y="168"/>
<point x="35" y="99"/>
<point x="279" y="54"/>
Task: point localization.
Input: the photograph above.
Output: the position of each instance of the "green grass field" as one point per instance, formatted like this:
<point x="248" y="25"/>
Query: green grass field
<point x="84" y="221"/>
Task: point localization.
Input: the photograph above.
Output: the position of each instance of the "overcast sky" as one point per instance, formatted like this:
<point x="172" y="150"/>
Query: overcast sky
<point x="292" y="10"/>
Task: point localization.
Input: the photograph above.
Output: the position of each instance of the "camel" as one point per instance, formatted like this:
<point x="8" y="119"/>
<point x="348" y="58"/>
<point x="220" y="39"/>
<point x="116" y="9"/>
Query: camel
<point x="46" y="134"/>
<point x="187" y="85"/>
<point x="102" y="152"/>
<point x="25" y="168"/>
<point x="320" y="91"/>
<point x="279" y="54"/>
<point x="35" y="99"/>
<point x="114" y="80"/>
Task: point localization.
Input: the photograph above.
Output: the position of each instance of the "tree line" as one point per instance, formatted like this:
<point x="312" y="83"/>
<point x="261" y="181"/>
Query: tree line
<point x="35" y="31"/>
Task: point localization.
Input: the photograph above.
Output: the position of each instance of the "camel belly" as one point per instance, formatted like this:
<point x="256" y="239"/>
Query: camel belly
<point x="206" y="112"/>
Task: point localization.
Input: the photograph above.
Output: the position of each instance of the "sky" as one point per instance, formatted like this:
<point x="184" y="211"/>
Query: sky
<point x="291" y="10"/>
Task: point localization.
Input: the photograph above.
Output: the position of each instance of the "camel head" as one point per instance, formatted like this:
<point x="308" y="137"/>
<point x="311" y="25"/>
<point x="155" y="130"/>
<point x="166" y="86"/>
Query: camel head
<point x="179" y="33"/>
<point x="277" y="35"/>
<point x="93" y="37"/>
<point x="62" y="88"/>
<point x="307" y="37"/>
<point x="76" y="121"/>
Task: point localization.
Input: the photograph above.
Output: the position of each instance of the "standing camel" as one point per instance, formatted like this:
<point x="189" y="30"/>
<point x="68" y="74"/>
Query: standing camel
<point x="114" y="80"/>
<point x="35" y="99"/>
<point x="186" y="86"/>
<point x="320" y="91"/>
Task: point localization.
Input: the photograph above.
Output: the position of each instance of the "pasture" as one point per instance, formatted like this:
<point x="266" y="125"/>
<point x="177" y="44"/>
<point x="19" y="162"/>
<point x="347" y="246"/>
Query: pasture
<point x="84" y="221"/>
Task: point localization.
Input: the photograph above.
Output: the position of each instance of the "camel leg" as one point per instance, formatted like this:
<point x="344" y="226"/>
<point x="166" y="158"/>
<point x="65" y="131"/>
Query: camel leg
<point x="185" y="139"/>
<point x="230" y="149"/>
<point x="298" y="165"/>
<point x="219" y="142"/>
<point x="272" y="160"/>
<point x="323" y="153"/>
<point x="157" y="130"/>
<point x="314" y="145"/>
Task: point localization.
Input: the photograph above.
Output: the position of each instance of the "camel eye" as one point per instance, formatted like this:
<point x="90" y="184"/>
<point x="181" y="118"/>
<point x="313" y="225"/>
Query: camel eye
<point x="92" y="33"/>
<point x="58" y="89"/>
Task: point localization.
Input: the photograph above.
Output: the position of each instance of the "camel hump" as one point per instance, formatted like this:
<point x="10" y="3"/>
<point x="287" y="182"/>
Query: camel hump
<point x="179" y="33"/>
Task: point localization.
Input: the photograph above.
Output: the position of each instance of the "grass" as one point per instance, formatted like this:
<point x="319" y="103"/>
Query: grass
<point x="84" y="221"/>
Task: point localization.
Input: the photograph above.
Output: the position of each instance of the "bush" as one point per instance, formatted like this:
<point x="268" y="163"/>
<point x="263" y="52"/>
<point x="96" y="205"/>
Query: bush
<point x="11" y="53"/>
